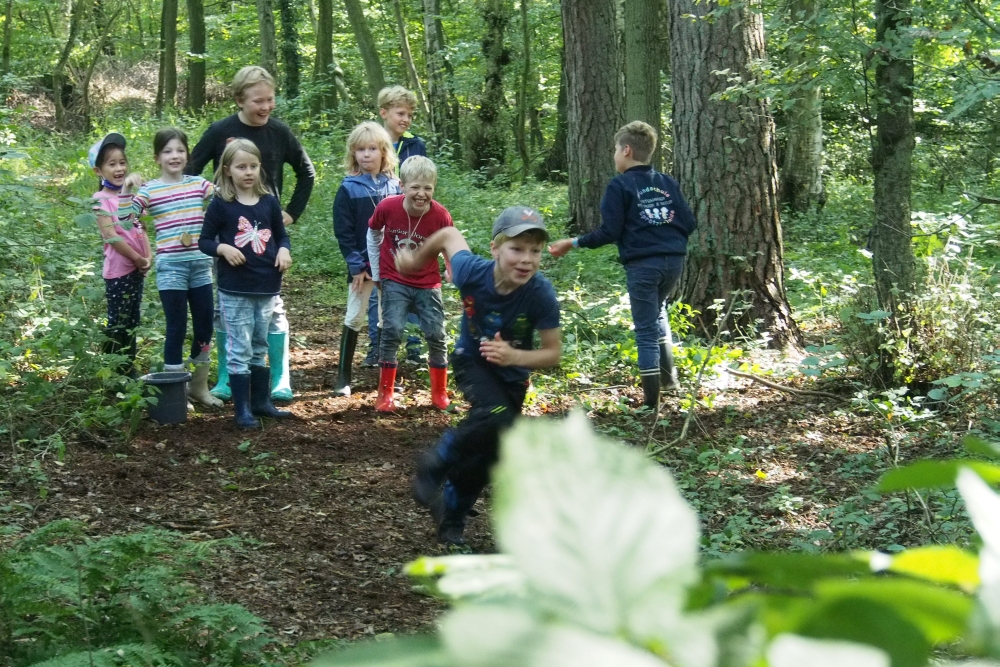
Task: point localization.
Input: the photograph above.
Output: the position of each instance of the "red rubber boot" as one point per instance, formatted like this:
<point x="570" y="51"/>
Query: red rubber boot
<point x="386" y="380"/>
<point x="439" y="387"/>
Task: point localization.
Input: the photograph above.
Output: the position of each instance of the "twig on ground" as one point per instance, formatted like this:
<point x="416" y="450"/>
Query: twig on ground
<point x="775" y="385"/>
<point x="182" y="526"/>
<point x="584" y="391"/>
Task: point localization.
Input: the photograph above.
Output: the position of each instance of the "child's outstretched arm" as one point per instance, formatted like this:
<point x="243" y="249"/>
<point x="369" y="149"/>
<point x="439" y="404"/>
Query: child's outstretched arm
<point x="448" y="240"/>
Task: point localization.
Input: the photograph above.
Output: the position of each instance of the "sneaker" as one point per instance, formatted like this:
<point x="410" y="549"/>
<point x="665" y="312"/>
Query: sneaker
<point x="370" y="360"/>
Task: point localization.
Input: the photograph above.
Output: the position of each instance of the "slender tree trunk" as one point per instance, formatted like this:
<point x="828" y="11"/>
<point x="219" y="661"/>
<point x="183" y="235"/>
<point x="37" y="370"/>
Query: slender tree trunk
<point x="404" y="48"/>
<point x="323" y="74"/>
<point x="196" y="59"/>
<point x="366" y="45"/>
<point x="520" y="127"/>
<point x="167" y="88"/>
<point x="724" y="158"/>
<point x="891" y="242"/>
<point x="75" y="19"/>
<point x="98" y="52"/>
<point x="8" y="21"/>
<point x="268" y="37"/>
<point x="290" y="48"/>
<point x="802" y="169"/>
<point x="137" y="11"/>
<point x="440" y="77"/>
<point x="487" y="141"/>
<point x="643" y="45"/>
<point x="595" y="91"/>
<point x="555" y="165"/>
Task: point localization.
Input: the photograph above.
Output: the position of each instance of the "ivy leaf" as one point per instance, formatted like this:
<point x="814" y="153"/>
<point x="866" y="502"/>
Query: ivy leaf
<point x="794" y="651"/>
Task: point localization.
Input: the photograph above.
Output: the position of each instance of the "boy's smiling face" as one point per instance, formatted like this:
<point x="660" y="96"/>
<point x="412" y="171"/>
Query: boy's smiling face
<point x="517" y="259"/>
<point x="396" y="120"/>
<point x="256" y="104"/>
<point x="418" y="194"/>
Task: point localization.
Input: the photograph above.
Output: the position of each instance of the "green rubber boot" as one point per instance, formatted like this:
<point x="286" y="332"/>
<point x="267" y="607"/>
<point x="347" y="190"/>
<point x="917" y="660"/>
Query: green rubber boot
<point x="221" y="389"/>
<point x="277" y="354"/>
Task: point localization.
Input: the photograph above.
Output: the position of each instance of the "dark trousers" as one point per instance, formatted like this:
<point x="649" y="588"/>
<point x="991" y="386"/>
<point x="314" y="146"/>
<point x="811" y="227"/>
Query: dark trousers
<point x="470" y="450"/>
<point x="175" y="309"/>
<point x="124" y="296"/>
<point x="413" y="342"/>
<point x="650" y="283"/>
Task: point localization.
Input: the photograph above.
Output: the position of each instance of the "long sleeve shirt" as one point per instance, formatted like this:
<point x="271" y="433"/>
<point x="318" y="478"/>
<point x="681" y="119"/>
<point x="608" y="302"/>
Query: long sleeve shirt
<point x="353" y="207"/>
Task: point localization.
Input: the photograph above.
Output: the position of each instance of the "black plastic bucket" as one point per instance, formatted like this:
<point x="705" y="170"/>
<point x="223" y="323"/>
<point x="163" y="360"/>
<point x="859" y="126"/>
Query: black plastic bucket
<point x="171" y="397"/>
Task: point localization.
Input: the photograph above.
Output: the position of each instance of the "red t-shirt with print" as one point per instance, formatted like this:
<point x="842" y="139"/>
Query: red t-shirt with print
<point x="402" y="230"/>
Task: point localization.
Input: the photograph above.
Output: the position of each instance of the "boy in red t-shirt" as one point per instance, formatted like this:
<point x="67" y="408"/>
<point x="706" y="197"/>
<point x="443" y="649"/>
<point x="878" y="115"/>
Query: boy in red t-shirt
<point x="406" y="221"/>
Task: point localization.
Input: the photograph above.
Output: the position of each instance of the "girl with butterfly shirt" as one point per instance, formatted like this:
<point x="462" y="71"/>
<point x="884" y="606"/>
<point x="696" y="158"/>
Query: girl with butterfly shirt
<point x="370" y="164"/>
<point x="244" y="227"/>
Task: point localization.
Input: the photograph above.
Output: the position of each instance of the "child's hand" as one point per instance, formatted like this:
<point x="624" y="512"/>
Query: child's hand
<point x="404" y="261"/>
<point x="498" y="351"/>
<point x="230" y="254"/>
<point x="560" y="248"/>
<point x="132" y="182"/>
<point x="359" y="281"/>
<point x="284" y="260"/>
<point x="142" y="263"/>
<point x="286" y="218"/>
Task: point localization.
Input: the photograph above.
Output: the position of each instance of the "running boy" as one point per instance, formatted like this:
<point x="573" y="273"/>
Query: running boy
<point x="399" y="223"/>
<point x="504" y="301"/>
<point x="645" y="214"/>
<point x="396" y="107"/>
<point x="371" y="167"/>
<point x="253" y="90"/>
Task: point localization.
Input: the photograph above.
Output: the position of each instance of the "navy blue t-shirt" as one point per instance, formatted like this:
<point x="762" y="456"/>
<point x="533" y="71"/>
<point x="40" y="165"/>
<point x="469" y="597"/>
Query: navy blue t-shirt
<point x="532" y="306"/>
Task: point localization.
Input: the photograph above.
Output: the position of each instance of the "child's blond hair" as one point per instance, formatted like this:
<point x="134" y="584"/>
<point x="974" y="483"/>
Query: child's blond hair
<point x="224" y="186"/>
<point x="640" y="137"/>
<point x="248" y="77"/>
<point x="536" y="236"/>
<point x="418" y="167"/>
<point x="396" y="96"/>
<point x="370" y="132"/>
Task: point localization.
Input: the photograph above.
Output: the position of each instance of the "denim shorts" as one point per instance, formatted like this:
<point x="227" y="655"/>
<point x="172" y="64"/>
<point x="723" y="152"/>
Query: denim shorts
<point x="183" y="275"/>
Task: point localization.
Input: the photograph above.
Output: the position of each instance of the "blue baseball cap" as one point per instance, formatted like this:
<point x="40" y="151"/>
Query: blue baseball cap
<point x="111" y="139"/>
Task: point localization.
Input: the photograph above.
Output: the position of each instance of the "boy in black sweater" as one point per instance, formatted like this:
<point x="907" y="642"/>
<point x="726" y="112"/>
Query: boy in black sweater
<point x="645" y="214"/>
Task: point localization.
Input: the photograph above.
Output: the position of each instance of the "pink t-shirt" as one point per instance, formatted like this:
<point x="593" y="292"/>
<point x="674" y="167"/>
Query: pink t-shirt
<point x="117" y="265"/>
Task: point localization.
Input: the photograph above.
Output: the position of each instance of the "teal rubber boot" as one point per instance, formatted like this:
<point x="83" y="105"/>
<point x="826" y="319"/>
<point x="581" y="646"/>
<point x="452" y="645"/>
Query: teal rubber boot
<point x="277" y="354"/>
<point x="221" y="389"/>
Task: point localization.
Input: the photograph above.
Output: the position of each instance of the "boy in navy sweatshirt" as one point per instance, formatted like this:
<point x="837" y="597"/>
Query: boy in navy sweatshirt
<point x="644" y="213"/>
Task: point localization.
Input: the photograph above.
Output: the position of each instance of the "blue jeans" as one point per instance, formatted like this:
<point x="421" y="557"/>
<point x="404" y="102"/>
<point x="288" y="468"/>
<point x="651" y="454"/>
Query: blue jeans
<point x="397" y="302"/>
<point x="650" y="282"/>
<point x="247" y="319"/>
<point x="183" y="275"/>
<point x="412" y="342"/>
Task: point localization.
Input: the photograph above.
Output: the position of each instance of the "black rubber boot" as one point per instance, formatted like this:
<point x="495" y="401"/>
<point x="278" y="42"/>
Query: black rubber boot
<point x="651" y="391"/>
<point x="348" y="342"/>
<point x="668" y="373"/>
<point x="429" y="478"/>
<point x="239" y="384"/>
<point x="260" y="394"/>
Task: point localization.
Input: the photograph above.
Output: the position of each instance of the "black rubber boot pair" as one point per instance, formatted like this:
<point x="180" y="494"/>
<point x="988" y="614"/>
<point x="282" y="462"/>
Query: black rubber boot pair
<point x="348" y="343"/>
<point x="252" y="397"/>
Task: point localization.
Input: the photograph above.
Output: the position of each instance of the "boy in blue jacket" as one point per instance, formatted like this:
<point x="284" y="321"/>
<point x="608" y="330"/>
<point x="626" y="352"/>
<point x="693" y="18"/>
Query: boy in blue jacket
<point x="644" y="213"/>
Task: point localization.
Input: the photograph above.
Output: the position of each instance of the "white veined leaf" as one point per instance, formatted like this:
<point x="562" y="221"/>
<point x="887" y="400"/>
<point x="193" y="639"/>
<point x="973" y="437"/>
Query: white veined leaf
<point x="983" y="506"/>
<point x="490" y="635"/>
<point x="464" y="576"/>
<point x="565" y="646"/>
<point x="596" y="527"/>
<point x="795" y="651"/>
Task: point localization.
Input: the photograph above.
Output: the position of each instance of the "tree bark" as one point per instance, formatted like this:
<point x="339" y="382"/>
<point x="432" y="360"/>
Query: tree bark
<point x="268" y="37"/>
<point x="290" y="47"/>
<point x="643" y="46"/>
<point x="724" y="159"/>
<point x="323" y="74"/>
<point x="366" y="45"/>
<point x="595" y="90"/>
<point x="440" y="77"/>
<point x="75" y="19"/>
<point x="802" y="168"/>
<point x="891" y="242"/>
<point x="167" y="88"/>
<point x="196" y="59"/>
<point x="7" y="31"/>
<point x="520" y="129"/>
<point x="98" y="52"/>
<point x="554" y="167"/>
<point x="407" y="55"/>
<point x="487" y="141"/>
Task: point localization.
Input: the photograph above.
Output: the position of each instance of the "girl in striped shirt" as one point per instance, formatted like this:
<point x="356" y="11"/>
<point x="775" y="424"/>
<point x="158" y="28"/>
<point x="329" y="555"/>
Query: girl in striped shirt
<point x="183" y="273"/>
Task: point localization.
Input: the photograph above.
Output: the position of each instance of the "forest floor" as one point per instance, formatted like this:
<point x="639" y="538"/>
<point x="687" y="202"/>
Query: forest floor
<point x="322" y="507"/>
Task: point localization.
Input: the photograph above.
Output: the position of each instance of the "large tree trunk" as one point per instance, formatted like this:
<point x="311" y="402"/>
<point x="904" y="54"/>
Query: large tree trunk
<point x="196" y="58"/>
<point x="724" y="158"/>
<point x="290" y="48"/>
<point x="802" y="168"/>
<point x="643" y="46"/>
<point x="595" y="90"/>
<point x="268" y="37"/>
<point x="554" y="166"/>
<point x="891" y="242"/>
<point x="167" y="88"/>
<point x="487" y="141"/>
<point x="75" y="19"/>
<point x="404" y="49"/>
<point x="8" y="21"/>
<point x="366" y="45"/>
<point x="323" y="73"/>
<point x="440" y="77"/>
